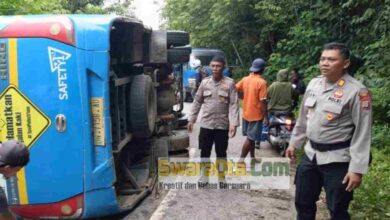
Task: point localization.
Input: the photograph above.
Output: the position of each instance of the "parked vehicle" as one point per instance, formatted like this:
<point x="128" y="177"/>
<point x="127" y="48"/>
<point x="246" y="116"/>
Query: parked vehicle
<point x="92" y="97"/>
<point x="199" y="58"/>
<point x="280" y="128"/>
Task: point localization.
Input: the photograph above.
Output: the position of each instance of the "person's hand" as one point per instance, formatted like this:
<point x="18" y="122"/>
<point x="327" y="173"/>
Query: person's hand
<point x="290" y="153"/>
<point x="189" y="126"/>
<point x="232" y="131"/>
<point x="353" y="181"/>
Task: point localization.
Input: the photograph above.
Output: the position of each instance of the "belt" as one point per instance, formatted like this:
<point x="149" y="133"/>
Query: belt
<point x="329" y="147"/>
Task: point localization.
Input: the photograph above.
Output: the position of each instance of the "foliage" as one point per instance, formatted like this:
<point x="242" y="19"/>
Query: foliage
<point x="291" y="33"/>
<point x="80" y="6"/>
<point x="372" y="198"/>
<point x="228" y="23"/>
<point x="381" y="139"/>
<point x="16" y="7"/>
<point x="120" y="8"/>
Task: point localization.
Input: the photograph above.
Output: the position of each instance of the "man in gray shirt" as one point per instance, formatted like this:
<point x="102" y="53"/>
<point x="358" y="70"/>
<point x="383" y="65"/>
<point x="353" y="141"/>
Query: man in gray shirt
<point x="335" y="117"/>
<point x="13" y="157"/>
<point x="220" y="112"/>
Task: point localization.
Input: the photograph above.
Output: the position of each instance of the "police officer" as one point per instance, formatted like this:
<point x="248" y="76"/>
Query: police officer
<point x="335" y="118"/>
<point x="220" y="112"/>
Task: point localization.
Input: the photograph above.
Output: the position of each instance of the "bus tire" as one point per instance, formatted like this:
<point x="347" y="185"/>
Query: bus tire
<point x="177" y="38"/>
<point x="178" y="55"/>
<point x="143" y="106"/>
<point x="161" y="147"/>
<point x="179" y="140"/>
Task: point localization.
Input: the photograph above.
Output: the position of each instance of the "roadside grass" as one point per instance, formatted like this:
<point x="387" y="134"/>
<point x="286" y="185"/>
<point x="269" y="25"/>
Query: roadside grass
<point x="372" y="198"/>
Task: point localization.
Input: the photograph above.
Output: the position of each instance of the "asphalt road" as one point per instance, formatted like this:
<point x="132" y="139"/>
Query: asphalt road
<point x="217" y="203"/>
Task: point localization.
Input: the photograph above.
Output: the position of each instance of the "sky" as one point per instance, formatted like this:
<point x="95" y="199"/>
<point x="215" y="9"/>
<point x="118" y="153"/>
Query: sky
<point x="149" y="11"/>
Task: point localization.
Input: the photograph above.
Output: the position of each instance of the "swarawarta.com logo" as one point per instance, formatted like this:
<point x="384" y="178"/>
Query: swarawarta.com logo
<point x="230" y="173"/>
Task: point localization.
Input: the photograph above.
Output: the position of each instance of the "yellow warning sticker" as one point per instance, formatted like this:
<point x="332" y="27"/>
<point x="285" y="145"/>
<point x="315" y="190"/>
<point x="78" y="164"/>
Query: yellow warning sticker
<point x="98" y="121"/>
<point x="20" y="119"/>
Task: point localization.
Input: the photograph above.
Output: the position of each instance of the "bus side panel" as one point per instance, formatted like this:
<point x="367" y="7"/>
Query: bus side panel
<point x="48" y="75"/>
<point x="100" y="203"/>
<point x="99" y="166"/>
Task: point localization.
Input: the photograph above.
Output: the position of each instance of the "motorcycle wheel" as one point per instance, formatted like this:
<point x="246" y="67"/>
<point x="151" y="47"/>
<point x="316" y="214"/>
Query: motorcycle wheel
<point x="282" y="149"/>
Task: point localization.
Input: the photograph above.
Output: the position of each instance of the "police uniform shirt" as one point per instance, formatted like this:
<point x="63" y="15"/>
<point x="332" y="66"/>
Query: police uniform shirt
<point x="219" y="104"/>
<point x="332" y="113"/>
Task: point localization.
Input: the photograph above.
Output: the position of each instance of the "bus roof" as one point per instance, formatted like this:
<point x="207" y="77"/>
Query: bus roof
<point x="90" y="32"/>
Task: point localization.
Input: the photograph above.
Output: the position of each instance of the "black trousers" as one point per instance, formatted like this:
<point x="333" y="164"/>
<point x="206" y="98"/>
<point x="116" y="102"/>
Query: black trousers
<point x="207" y="137"/>
<point x="309" y="180"/>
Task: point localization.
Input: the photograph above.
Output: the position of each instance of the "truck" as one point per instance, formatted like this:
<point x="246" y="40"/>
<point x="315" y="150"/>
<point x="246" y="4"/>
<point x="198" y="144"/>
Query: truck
<point x="92" y="97"/>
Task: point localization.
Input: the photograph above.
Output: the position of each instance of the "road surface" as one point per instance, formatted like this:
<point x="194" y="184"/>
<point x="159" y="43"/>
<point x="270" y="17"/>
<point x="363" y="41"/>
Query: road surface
<point x="218" y="204"/>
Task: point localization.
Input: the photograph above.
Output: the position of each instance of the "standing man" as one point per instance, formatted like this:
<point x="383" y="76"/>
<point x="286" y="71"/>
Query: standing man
<point x="335" y="117"/>
<point x="254" y="91"/>
<point x="220" y="111"/>
<point x="298" y="85"/>
<point x="13" y="157"/>
<point x="281" y="94"/>
<point x="297" y="82"/>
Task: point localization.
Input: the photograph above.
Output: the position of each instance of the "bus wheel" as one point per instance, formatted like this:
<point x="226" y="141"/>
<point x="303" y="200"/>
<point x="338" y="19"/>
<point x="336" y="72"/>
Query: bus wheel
<point x="178" y="55"/>
<point x="143" y="106"/>
<point x="177" y="38"/>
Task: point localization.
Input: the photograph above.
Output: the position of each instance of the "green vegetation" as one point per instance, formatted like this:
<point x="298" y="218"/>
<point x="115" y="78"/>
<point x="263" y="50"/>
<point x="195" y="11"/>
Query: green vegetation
<point x="371" y="200"/>
<point x="291" y="33"/>
<point x="17" y="7"/>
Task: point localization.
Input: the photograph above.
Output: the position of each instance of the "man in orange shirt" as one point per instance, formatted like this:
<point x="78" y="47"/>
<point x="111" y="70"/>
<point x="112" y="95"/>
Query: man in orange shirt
<point x="253" y="89"/>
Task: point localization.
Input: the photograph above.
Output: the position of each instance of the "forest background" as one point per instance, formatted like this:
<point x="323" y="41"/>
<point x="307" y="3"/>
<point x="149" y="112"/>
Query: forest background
<point x="291" y="34"/>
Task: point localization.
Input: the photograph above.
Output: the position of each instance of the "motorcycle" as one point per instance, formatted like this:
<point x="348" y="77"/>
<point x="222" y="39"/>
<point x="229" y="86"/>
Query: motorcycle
<point x="280" y="128"/>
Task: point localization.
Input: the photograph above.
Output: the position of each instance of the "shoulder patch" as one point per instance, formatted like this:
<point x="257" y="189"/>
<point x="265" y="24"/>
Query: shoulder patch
<point x="363" y="93"/>
<point x="365" y="99"/>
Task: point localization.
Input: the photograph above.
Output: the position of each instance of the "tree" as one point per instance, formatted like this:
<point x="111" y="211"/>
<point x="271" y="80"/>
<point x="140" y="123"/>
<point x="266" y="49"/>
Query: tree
<point x="14" y="7"/>
<point x="291" y="33"/>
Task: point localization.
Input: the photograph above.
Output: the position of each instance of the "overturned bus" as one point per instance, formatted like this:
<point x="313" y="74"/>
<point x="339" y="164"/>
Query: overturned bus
<point x="92" y="97"/>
